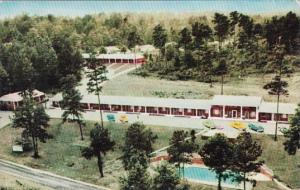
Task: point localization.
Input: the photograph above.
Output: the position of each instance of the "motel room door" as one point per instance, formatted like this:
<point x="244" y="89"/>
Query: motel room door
<point x="234" y="113"/>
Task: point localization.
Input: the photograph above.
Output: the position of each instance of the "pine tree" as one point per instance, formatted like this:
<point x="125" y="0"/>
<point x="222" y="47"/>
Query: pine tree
<point x="138" y="145"/>
<point x="292" y="142"/>
<point x="217" y="154"/>
<point x="73" y="110"/>
<point x="246" y="152"/>
<point x="101" y="143"/>
<point x="34" y="120"/>
<point x="96" y="76"/>
<point x="277" y="86"/>
<point x="181" y="149"/>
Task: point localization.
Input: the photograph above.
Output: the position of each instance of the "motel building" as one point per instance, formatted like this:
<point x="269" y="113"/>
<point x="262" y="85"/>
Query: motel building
<point x="121" y="58"/>
<point x="12" y="101"/>
<point x="248" y="108"/>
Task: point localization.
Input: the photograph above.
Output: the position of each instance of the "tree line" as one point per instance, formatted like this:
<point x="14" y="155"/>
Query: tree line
<point x="44" y="49"/>
<point x="233" y="44"/>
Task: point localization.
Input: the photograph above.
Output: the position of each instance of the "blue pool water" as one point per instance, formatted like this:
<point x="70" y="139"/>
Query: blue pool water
<point x="204" y="174"/>
<point x="78" y="8"/>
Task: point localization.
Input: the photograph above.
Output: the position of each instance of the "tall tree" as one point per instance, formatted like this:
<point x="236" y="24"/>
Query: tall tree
<point x="3" y="77"/>
<point x="201" y="33"/>
<point x="222" y="69"/>
<point x="44" y="60"/>
<point x="234" y="20"/>
<point x="277" y="86"/>
<point x="181" y="148"/>
<point x="221" y="27"/>
<point x="101" y="143"/>
<point x="185" y="39"/>
<point x="166" y="178"/>
<point x="246" y="152"/>
<point x="69" y="58"/>
<point x="138" y="139"/>
<point x="217" y="154"/>
<point x="71" y="105"/>
<point x="159" y="37"/>
<point x="292" y="142"/>
<point x="96" y="75"/>
<point x="34" y="120"/>
<point x="137" y="178"/>
<point x="133" y="39"/>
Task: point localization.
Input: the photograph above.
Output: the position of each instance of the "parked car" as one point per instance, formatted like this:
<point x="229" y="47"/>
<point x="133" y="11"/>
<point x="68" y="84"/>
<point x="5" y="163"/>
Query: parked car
<point x="257" y="128"/>
<point x="238" y="125"/>
<point x="209" y="124"/>
<point x="123" y="118"/>
<point x="283" y="130"/>
<point x="111" y="118"/>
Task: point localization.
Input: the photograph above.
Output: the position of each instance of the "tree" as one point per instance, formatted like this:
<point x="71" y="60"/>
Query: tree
<point x="133" y="39"/>
<point x="166" y="178"/>
<point x="3" y="77"/>
<point x="286" y="28"/>
<point x="185" y="39"/>
<point x="201" y="33"/>
<point x="217" y="154"/>
<point x="277" y="86"/>
<point x="101" y="143"/>
<point x="136" y="179"/>
<point x="34" y="120"/>
<point x="221" y="27"/>
<point x="69" y="58"/>
<point x="159" y="37"/>
<point x="221" y="69"/>
<point x="181" y="148"/>
<point x="246" y="23"/>
<point x="16" y="60"/>
<point x="71" y="104"/>
<point x="138" y="144"/>
<point x="44" y="60"/>
<point x="246" y="152"/>
<point x="96" y="76"/>
<point x="292" y="142"/>
<point x="234" y="20"/>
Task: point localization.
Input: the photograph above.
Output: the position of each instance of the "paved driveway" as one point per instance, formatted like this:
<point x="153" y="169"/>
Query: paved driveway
<point x="168" y="121"/>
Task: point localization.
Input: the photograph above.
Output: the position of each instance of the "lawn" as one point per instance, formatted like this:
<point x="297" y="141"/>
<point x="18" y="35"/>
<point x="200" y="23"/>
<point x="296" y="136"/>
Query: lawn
<point x="285" y="167"/>
<point x="131" y="85"/>
<point x="62" y="154"/>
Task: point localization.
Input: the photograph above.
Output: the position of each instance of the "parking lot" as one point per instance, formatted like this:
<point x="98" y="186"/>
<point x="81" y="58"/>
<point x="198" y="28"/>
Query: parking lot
<point x="169" y="121"/>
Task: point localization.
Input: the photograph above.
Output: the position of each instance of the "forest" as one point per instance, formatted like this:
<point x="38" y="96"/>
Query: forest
<point x="41" y="51"/>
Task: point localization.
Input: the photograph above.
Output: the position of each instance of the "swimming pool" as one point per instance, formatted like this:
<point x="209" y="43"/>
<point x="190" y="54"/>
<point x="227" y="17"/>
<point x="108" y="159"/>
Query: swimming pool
<point x="206" y="175"/>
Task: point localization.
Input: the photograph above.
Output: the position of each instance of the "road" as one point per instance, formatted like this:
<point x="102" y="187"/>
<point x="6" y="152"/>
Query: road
<point x="45" y="178"/>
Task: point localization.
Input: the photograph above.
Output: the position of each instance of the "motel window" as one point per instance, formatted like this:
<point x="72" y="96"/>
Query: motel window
<point x="151" y="110"/>
<point x="116" y="108"/>
<point x="105" y="107"/>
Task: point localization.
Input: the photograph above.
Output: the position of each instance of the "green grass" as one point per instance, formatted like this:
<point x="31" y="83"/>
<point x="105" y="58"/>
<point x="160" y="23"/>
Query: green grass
<point x="62" y="155"/>
<point x="285" y="166"/>
<point x="131" y="85"/>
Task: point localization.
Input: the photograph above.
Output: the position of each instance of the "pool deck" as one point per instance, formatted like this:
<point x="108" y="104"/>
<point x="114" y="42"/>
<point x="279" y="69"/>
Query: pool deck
<point x="249" y="186"/>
